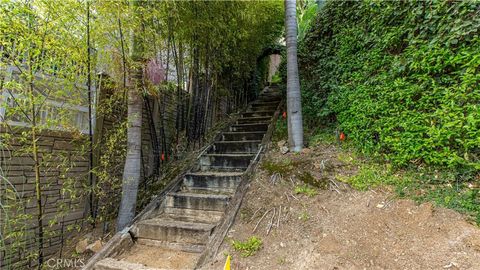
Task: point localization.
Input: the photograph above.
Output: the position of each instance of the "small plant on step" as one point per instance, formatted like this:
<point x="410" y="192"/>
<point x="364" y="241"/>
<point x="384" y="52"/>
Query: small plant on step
<point x="249" y="247"/>
<point x="305" y="189"/>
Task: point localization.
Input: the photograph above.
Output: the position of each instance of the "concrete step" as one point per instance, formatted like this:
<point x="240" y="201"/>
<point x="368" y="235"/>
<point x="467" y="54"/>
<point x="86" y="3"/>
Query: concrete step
<point x="113" y="264"/>
<point x="185" y="247"/>
<point x="243" y="136"/>
<point x="262" y="108"/>
<point x="197" y="201"/>
<point x="149" y="257"/>
<point x="264" y="103"/>
<point x="250" y="127"/>
<point x="268" y="100"/>
<point x="268" y="113"/>
<point x="270" y="97"/>
<point x="223" y="181"/>
<point x="221" y="147"/>
<point x="173" y="229"/>
<point x="224" y="162"/>
<point x="194" y="215"/>
<point x="249" y="120"/>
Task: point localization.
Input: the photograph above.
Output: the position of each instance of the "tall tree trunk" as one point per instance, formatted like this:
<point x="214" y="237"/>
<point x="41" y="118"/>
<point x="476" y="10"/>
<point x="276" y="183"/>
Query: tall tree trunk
<point x="294" y="102"/>
<point x="133" y="161"/>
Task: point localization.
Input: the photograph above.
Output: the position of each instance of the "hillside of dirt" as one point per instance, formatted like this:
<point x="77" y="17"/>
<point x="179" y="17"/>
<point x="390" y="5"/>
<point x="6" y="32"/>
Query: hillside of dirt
<point x="328" y="225"/>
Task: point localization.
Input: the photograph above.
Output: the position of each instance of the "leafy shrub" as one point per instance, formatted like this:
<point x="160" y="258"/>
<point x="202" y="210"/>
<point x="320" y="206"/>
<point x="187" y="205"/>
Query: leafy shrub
<point x="249" y="247"/>
<point x="400" y="77"/>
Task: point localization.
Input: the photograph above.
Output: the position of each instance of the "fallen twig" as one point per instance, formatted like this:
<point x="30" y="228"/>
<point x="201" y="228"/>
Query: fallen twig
<point x="335" y="183"/>
<point x="266" y="212"/>
<point x="291" y="180"/>
<point x="279" y="216"/>
<point x="254" y="213"/>
<point x="271" y="221"/>
<point x="332" y="187"/>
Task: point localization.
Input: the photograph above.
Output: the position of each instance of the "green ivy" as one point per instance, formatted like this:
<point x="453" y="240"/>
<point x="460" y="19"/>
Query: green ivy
<point x="401" y="78"/>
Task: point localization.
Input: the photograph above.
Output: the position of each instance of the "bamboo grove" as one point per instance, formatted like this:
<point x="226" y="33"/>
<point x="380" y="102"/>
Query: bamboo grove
<point x="63" y="52"/>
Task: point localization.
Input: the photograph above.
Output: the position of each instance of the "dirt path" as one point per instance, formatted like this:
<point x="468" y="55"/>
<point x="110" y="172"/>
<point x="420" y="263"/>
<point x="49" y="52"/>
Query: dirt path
<point x="340" y="228"/>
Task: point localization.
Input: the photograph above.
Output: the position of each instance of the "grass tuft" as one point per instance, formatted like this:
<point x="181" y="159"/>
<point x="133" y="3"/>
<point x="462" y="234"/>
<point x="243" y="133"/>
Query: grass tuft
<point x="249" y="247"/>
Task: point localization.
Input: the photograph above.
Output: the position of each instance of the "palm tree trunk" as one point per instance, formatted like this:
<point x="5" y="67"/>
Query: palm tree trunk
<point x="133" y="161"/>
<point x="294" y="102"/>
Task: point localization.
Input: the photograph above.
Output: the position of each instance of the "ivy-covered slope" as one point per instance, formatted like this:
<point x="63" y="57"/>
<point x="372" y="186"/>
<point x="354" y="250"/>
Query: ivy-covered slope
<point x="401" y="78"/>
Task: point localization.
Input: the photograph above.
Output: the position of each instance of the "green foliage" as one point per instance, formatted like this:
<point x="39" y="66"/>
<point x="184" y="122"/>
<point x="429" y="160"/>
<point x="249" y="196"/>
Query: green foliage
<point x="249" y="247"/>
<point x="458" y="197"/>
<point x="281" y="130"/>
<point x="306" y="189"/>
<point x="372" y="176"/>
<point x="306" y="14"/>
<point x="422" y="184"/>
<point x="400" y="77"/>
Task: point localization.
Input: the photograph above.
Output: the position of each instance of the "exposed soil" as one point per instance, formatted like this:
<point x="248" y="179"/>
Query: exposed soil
<point x="340" y="228"/>
<point x="152" y="256"/>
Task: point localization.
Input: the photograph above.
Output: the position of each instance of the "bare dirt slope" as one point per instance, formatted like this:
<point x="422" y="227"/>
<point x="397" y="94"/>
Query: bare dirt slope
<point x="340" y="228"/>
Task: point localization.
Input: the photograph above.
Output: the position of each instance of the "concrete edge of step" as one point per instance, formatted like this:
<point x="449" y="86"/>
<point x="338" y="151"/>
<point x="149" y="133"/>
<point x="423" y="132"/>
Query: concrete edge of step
<point x="220" y="232"/>
<point x="114" y="264"/>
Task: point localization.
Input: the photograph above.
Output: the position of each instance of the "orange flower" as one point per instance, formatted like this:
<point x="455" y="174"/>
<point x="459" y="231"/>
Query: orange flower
<point x="342" y="136"/>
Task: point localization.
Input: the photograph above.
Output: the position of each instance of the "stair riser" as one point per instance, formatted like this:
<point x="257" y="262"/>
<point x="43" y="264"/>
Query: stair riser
<point x="265" y="104"/>
<point x="234" y="147"/>
<point x="253" y="127"/>
<point x="269" y="97"/>
<point x="197" y="215"/>
<point x="262" y="108"/>
<point x="242" y="136"/>
<point x="172" y="234"/>
<point x="222" y="183"/>
<point x="258" y="114"/>
<point x="212" y="204"/>
<point x="253" y="120"/>
<point x="233" y="162"/>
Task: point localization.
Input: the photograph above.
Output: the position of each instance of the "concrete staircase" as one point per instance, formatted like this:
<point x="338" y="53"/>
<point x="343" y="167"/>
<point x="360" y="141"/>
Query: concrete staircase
<point x="178" y="233"/>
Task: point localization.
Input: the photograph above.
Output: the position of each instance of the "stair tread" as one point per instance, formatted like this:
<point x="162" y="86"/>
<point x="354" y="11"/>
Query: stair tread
<point x="255" y="118"/>
<point x="199" y="195"/>
<point x="114" y="264"/>
<point x="243" y="132"/>
<point x="208" y="190"/>
<point x="154" y="257"/>
<point x="215" y="173"/>
<point x="229" y="155"/>
<point x="185" y="217"/>
<point x="249" y="124"/>
<point x="264" y="111"/>
<point x="171" y="221"/>
<point x="201" y="216"/>
<point x="233" y="142"/>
